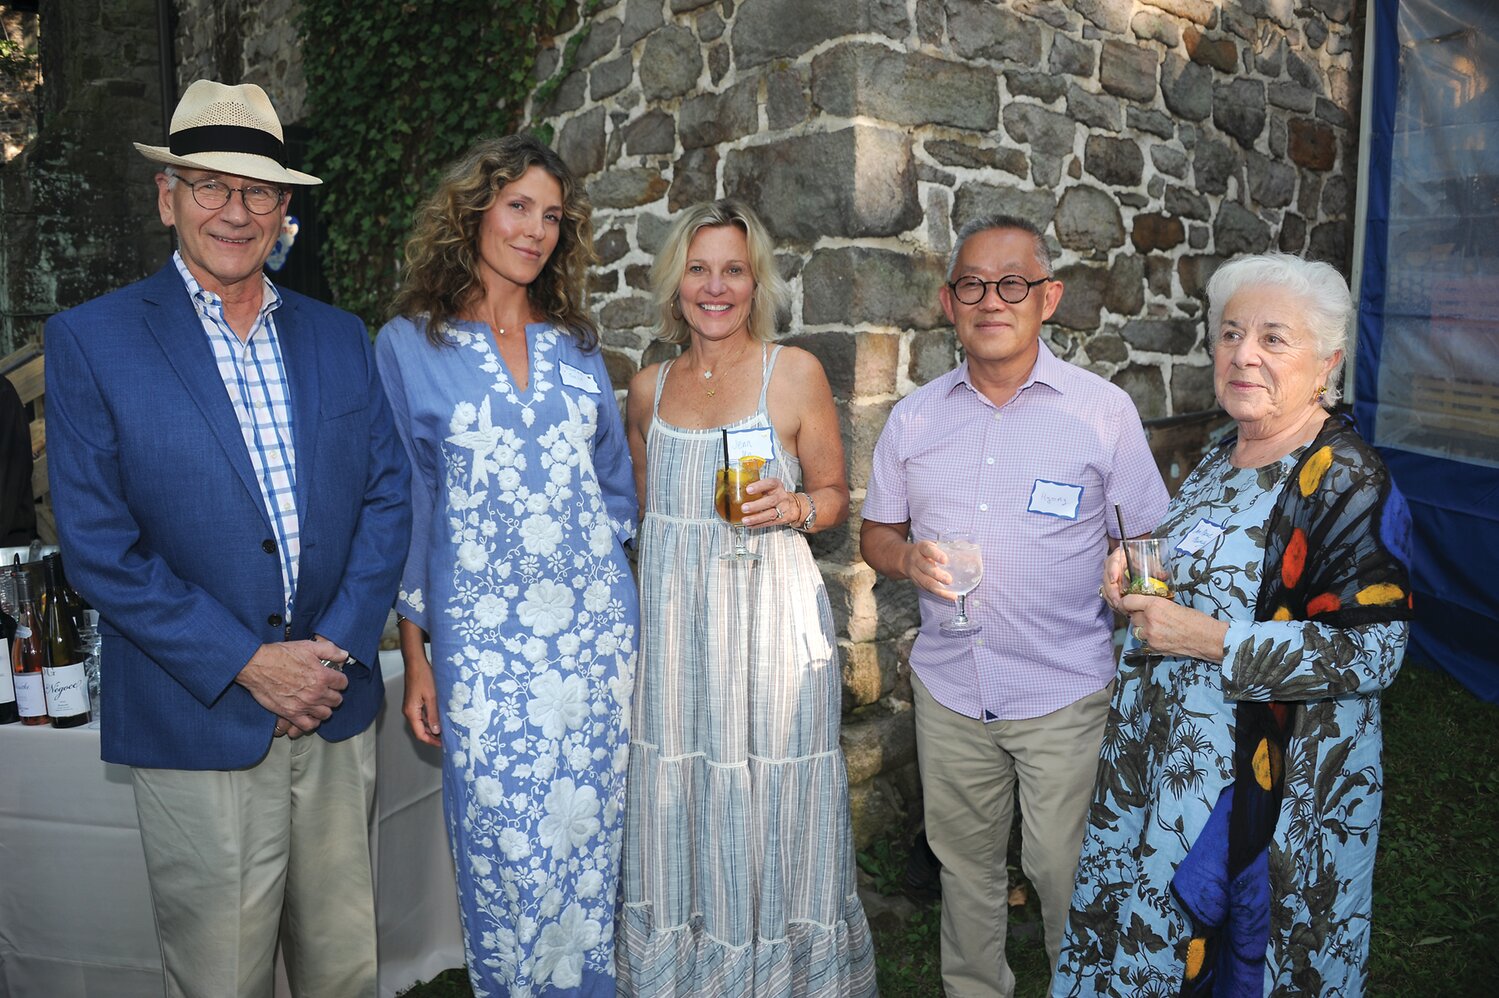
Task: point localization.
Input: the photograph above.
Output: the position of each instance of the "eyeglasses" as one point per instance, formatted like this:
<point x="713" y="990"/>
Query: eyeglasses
<point x="214" y="194"/>
<point x="1011" y="288"/>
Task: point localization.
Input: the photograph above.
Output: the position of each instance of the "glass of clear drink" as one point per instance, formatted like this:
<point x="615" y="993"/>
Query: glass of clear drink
<point x="965" y="563"/>
<point x="1147" y="573"/>
<point x="729" y="497"/>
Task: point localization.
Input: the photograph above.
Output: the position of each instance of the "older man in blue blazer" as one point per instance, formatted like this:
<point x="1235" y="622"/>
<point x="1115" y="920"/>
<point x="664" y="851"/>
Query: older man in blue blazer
<point x="233" y="499"/>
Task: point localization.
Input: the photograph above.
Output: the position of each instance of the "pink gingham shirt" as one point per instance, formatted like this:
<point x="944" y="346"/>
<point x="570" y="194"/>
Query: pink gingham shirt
<point x="1035" y="481"/>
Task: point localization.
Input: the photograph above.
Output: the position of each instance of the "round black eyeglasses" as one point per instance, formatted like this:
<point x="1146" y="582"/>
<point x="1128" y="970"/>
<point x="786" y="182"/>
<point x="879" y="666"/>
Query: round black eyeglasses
<point x="1011" y="288"/>
<point x="214" y="194"/>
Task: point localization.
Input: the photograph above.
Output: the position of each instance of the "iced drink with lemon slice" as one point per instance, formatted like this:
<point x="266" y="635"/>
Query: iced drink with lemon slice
<point x="729" y="497"/>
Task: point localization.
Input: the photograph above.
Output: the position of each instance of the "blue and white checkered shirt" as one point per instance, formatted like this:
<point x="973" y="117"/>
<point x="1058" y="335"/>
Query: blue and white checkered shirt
<point x="255" y="379"/>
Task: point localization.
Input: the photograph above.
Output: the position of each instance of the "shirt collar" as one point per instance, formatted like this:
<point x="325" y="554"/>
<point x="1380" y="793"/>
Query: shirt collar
<point x="210" y="305"/>
<point x="1048" y="370"/>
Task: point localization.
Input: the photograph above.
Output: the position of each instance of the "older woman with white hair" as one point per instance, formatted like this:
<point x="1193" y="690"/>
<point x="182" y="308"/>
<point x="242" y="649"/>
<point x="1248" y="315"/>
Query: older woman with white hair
<point x="1230" y="848"/>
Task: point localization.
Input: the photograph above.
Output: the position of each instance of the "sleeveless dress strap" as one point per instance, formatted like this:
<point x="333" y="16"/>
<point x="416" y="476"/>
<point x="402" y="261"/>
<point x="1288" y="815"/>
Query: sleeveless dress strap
<point x="660" y="383"/>
<point x="767" y="365"/>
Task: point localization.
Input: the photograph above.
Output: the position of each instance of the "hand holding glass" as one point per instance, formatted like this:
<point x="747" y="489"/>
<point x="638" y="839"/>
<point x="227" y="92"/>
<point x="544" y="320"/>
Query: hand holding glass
<point x="1148" y="573"/>
<point x="729" y="497"/>
<point x="965" y="563"/>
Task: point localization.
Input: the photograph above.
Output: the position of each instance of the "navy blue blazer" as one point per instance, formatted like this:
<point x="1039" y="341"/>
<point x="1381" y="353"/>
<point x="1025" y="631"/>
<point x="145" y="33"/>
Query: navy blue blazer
<point x="165" y="531"/>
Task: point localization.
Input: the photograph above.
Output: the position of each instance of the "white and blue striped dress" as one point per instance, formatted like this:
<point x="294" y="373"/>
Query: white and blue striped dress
<point x="738" y="868"/>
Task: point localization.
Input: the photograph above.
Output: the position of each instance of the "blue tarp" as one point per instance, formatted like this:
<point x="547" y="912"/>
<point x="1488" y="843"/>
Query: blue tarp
<point x="1427" y="378"/>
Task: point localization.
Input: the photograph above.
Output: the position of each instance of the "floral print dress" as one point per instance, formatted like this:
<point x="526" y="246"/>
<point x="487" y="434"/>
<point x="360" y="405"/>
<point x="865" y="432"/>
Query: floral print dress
<point x="522" y="499"/>
<point x="1168" y="754"/>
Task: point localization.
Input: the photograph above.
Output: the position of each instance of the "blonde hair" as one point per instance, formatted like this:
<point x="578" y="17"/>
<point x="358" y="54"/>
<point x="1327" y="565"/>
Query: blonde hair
<point x="441" y="278"/>
<point x="771" y="290"/>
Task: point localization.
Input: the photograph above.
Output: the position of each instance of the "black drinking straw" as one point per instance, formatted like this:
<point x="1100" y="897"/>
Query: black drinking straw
<point x="1127" y="566"/>
<point x="726" y="499"/>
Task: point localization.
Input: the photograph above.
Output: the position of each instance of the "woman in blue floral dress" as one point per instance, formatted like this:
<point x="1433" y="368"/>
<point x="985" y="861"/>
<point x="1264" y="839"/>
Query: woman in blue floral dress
<point x="523" y="495"/>
<point x="1230" y="847"/>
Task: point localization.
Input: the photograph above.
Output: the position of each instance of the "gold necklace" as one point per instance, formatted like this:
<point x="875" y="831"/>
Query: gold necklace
<point x="708" y="371"/>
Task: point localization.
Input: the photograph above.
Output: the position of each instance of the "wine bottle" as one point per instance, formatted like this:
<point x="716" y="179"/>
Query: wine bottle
<point x="75" y="604"/>
<point x="9" y="713"/>
<point x="63" y="676"/>
<point x="28" y="654"/>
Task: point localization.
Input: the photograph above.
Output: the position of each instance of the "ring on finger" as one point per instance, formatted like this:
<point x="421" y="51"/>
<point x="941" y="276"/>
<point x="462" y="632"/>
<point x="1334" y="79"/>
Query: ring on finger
<point x="779" y="514"/>
<point x="1139" y="634"/>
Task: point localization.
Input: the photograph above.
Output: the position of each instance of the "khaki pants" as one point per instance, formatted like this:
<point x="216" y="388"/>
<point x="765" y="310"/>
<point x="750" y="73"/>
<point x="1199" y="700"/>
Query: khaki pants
<point x="237" y="857"/>
<point x="969" y="771"/>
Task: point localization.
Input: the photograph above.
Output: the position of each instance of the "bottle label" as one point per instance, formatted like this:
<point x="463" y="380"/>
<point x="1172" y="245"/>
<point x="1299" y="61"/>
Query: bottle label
<point x="7" y="680"/>
<point x="31" y="699"/>
<point x="22" y="631"/>
<point x="67" y="690"/>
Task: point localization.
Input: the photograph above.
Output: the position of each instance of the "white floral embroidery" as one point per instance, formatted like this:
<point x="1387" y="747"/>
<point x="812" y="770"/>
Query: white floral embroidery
<point x="547" y="608"/>
<point x="559" y="953"/>
<point x="571" y="817"/>
<point x="540" y="535"/>
<point x="557" y="705"/>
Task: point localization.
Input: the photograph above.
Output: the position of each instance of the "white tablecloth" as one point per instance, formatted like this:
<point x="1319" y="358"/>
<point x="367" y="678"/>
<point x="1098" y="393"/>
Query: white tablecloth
<point x="75" y="911"/>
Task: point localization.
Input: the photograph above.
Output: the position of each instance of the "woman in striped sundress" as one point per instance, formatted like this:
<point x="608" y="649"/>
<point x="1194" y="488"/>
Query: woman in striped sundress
<point x="738" y="871"/>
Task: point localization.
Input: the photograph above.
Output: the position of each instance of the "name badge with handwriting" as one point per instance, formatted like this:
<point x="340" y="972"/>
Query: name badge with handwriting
<point x="753" y="441"/>
<point x="1055" y="499"/>
<point x="1200" y="536"/>
<point x="575" y="378"/>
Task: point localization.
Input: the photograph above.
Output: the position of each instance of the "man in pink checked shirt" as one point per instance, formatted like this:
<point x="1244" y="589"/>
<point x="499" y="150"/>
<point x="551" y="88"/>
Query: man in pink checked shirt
<point x="1029" y="455"/>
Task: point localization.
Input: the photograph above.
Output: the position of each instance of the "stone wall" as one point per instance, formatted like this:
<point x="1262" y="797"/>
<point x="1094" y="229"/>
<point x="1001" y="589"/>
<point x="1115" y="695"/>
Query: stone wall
<point x="1152" y="139"/>
<point x="236" y="42"/>
<point x="18" y="87"/>
<point x="78" y="204"/>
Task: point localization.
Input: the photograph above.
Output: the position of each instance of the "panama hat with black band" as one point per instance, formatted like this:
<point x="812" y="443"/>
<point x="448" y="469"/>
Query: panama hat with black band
<point x="230" y="130"/>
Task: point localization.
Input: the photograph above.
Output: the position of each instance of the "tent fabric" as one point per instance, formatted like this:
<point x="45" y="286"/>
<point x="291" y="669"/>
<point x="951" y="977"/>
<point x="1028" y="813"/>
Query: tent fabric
<point x="1427" y="377"/>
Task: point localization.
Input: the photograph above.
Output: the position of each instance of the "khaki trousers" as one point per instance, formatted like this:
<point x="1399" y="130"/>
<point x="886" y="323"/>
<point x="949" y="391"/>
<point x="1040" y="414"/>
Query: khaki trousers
<point x="969" y="771"/>
<point x="236" y="858"/>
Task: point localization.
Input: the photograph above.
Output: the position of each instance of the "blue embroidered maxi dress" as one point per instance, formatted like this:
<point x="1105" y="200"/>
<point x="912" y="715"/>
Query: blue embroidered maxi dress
<point x="1168" y="752"/>
<point x="522" y="499"/>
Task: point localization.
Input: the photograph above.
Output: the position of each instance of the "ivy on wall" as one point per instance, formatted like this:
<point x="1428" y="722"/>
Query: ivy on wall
<point x="396" y="89"/>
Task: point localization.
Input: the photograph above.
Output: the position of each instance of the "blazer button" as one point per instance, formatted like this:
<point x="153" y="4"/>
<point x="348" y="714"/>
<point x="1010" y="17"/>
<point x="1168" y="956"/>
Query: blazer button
<point x="274" y="620"/>
<point x="268" y="546"/>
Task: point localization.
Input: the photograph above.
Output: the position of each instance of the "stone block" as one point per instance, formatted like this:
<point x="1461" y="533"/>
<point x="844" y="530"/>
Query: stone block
<point x="861" y="675"/>
<point x="638" y="276"/>
<point x="1212" y="164"/>
<point x="568" y="96"/>
<point x="1169" y="159"/>
<point x="897" y="608"/>
<point x="859" y="181"/>
<point x="1153" y="122"/>
<point x="1238" y="230"/>
<point x="1158" y="271"/>
<point x="718" y="63"/>
<point x="1330" y="242"/>
<point x="653" y="133"/>
<point x="1220" y="53"/>
<point x="787" y="101"/>
<point x="694" y="179"/>
<point x="609" y="78"/>
<point x="683" y="6"/>
<point x="1088" y="220"/>
<point x="709" y="26"/>
<point x="670" y="64"/>
<point x="1331" y="113"/>
<point x="621" y="368"/>
<point x="1082" y="296"/>
<point x="641" y="18"/>
<point x="1312" y="144"/>
<point x="1272" y="183"/>
<point x="634" y="312"/>
<point x="861" y="426"/>
<point x="1128" y="70"/>
<point x="874" y="811"/>
<point x="766" y="30"/>
<point x="1106" y="348"/>
<point x="1111" y="17"/>
<point x="1194" y="271"/>
<point x="879" y="740"/>
<point x="930" y="21"/>
<point x="1072" y="56"/>
<point x="906" y="88"/>
<point x="599" y="41"/>
<point x="1125" y="292"/>
<point x="1162" y="231"/>
<point x="610" y="245"/>
<point x="1335" y="10"/>
<point x="658" y="351"/>
<point x="1116" y="162"/>
<point x="1315" y="32"/>
<point x="1147" y="386"/>
<point x="1045" y="87"/>
<point x="1047" y="132"/>
<point x="1093" y="110"/>
<point x="1303" y="71"/>
<point x="1202" y="12"/>
<point x="1170" y="336"/>
<point x="971" y="156"/>
<point x="1198" y="236"/>
<point x="1192" y="388"/>
<point x="626" y="187"/>
<point x="1239" y="109"/>
<point x="932" y="353"/>
<point x="863" y="285"/>
<point x="1151" y="26"/>
<point x="650" y="232"/>
<point x="1183" y="203"/>
<point x="581" y="142"/>
<point x="836" y="351"/>
<point x="980" y="30"/>
<point x="1309" y="198"/>
<point x="1291" y="96"/>
<point x="1292" y="238"/>
<point x="1337" y="197"/>
<point x="975" y="200"/>
<point x="1186" y="87"/>
<point x="713" y="119"/>
<point x="1270" y="57"/>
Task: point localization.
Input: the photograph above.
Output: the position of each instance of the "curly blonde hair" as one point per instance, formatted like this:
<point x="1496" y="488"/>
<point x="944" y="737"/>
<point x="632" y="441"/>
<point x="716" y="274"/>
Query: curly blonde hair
<point x="771" y="290"/>
<point x="441" y="277"/>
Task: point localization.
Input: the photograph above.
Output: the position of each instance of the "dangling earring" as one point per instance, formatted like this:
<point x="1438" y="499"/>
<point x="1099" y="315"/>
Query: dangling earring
<point x="676" y="308"/>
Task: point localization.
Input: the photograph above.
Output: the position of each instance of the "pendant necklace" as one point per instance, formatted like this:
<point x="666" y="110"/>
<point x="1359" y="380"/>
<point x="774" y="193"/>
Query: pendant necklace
<point x="708" y="372"/>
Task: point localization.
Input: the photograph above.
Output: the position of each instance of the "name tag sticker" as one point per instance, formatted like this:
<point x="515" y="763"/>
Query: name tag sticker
<point x="575" y="378"/>
<point x="754" y="441"/>
<point x="1200" y="536"/>
<point x="1055" y="499"/>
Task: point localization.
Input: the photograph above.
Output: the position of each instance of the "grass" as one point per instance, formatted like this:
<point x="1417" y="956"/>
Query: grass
<point x="1436" y="878"/>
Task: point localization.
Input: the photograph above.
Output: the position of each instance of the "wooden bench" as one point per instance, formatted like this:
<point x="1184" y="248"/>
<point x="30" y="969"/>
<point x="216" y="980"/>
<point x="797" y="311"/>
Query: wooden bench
<point x="25" y="369"/>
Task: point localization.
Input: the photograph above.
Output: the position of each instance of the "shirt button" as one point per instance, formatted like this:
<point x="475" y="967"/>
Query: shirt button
<point x="983" y="507"/>
<point x="259" y="404"/>
<point x="268" y="546"/>
<point x="286" y="505"/>
<point x="996" y="415"/>
<point x="988" y="460"/>
<point x="274" y="620"/>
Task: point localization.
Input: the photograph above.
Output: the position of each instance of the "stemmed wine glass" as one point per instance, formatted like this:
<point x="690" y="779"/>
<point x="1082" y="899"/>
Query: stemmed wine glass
<point x="1147" y="573"/>
<point x="965" y="563"/>
<point x="729" y="498"/>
